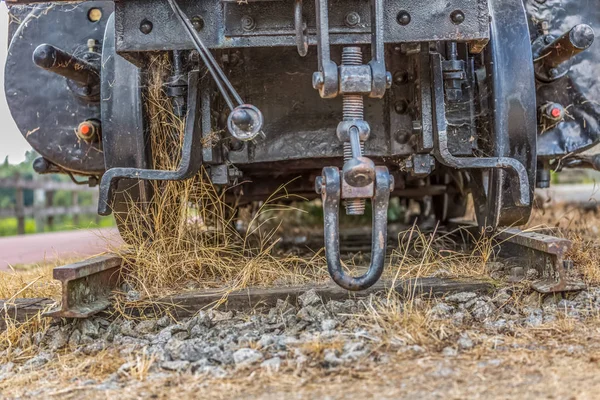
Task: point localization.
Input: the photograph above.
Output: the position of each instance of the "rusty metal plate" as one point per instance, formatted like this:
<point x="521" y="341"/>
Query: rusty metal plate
<point x="87" y="286"/>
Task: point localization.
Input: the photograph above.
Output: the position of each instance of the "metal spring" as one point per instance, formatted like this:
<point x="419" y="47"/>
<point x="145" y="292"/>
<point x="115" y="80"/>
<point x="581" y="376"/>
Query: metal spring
<point x="348" y="150"/>
<point x="354" y="109"/>
<point x="355" y="206"/>
<point x="352" y="56"/>
<point x="353" y="103"/>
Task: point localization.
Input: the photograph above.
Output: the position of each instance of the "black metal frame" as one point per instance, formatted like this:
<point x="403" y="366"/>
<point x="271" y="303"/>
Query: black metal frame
<point x="191" y="154"/>
<point x="274" y="23"/>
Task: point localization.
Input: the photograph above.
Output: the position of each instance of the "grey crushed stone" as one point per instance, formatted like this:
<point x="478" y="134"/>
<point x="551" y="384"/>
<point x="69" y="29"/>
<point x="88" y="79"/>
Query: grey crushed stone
<point x="309" y="298"/>
<point x="245" y="357"/>
<point x="214" y="343"/>
<point x="461" y="297"/>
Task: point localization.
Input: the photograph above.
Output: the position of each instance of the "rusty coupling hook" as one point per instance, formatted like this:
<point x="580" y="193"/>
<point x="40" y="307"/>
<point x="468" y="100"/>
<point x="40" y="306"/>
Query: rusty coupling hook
<point x="329" y="185"/>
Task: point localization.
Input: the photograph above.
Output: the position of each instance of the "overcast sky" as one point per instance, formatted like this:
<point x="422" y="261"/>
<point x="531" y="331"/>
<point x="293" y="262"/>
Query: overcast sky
<point x="12" y="143"/>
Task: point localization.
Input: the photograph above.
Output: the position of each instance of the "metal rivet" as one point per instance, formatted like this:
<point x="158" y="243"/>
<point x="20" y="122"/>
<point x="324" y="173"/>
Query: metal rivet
<point x="95" y="14"/>
<point x="197" y="22"/>
<point x="248" y="23"/>
<point x="401" y="106"/>
<point x="457" y="17"/>
<point x="146" y="27"/>
<point x="400" y="77"/>
<point x="403" y="18"/>
<point x="352" y="19"/>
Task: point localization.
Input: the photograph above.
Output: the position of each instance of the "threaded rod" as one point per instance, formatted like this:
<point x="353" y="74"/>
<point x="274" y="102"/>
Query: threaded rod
<point x="354" y="109"/>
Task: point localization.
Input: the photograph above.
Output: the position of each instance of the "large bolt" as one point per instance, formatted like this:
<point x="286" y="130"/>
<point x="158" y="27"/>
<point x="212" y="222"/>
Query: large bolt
<point x="88" y="130"/>
<point x="198" y="22"/>
<point x="457" y="17"/>
<point x="401" y="106"/>
<point x="403" y="18"/>
<point x="352" y="19"/>
<point x="353" y="105"/>
<point x="319" y="185"/>
<point x="248" y="23"/>
<point x="388" y="80"/>
<point x="401" y="77"/>
<point x="146" y="27"/>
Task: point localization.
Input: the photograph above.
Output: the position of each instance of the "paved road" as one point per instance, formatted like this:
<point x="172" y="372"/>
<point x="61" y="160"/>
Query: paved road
<point x="577" y="193"/>
<point x="29" y="249"/>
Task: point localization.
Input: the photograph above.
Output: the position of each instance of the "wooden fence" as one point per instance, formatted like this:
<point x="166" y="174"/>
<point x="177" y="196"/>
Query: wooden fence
<point x="43" y="209"/>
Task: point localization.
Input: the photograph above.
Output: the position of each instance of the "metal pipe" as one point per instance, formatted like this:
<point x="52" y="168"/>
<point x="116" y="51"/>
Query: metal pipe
<point x="567" y="46"/>
<point x="62" y="63"/>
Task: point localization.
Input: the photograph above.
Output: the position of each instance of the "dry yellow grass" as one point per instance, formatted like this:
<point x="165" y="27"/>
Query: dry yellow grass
<point x="185" y="237"/>
<point x="32" y="282"/>
<point x="581" y="225"/>
<point x="402" y="321"/>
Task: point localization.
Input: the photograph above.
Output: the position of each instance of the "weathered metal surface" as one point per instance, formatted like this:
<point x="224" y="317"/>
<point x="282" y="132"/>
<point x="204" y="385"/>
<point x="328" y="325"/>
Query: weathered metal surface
<point x="245" y="121"/>
<point x="554" y="57"/>
<point x="462" y="89"/>
<point x="539" y="251"/>
<point x="508" y="126"/>
<point x="551" y="265"/>
<point x="442" y="152"/>
<point x="577" y="90"/>
<point x="21" y="310"/>
<point x="188" y="304"/>
<point x="434" y="286"/>
<point x="331" y="193"/>
<point x="124" y="138"/>
<point x="274" y="25"/>
<point x="46" y="106"/>
<point x="86" y="286"/>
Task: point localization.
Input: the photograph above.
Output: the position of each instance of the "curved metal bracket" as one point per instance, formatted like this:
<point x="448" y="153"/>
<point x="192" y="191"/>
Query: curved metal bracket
<point x="325" y="80"/>
<point x="331" y="194"/>
<point x="301" y="29"/>
<point x="443" y="155"/>
<point x="381" y="81"/>
<point x="191" y="155"/>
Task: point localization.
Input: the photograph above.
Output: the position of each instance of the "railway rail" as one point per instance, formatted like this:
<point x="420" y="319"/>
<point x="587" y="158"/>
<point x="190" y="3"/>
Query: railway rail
<point x="88" y="286"/>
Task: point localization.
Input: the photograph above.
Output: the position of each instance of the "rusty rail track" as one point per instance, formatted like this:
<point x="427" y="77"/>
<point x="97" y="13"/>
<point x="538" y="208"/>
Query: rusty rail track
<point x="88" y="286"/>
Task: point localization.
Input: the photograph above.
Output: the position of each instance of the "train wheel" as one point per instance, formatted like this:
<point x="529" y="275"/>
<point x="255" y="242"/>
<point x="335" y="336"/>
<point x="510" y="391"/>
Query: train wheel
<point x="508" y="103"/>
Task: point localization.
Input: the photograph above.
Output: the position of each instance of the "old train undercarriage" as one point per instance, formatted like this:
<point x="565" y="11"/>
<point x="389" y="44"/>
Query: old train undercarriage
<point x="361" y="99"/>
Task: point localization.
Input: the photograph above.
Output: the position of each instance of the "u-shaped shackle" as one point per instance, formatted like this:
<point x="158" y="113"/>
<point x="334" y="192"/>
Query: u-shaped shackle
<point x="331" y="195"/>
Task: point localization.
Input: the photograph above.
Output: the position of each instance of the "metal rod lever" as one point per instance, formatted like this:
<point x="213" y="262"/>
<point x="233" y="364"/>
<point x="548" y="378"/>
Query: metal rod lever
<point x="62" y="63"/>
<point x="241" y="113"/>
<point x="207" y="57"/>
<point x="571" y="43"/>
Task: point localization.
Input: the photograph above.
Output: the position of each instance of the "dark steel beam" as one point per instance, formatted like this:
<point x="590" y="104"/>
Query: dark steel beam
<point x="87" y="286"/>
<point x="536" y="250"/>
